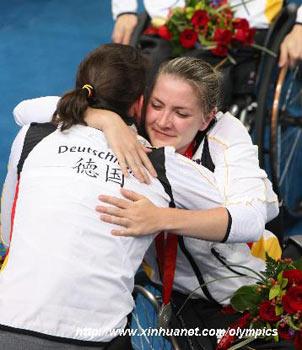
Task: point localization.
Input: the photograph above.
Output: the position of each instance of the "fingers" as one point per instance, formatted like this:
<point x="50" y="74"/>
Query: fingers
<point x="122" y="162"/>
<point x="135" y="164"/>
<point x="127" y="36"/>
<point x="139" y="162"/>
<point x="123" y="28"/>
<point x="147" y="149"/>
<point x="283" y="56"/>
<point x="117" y="34"/>
<point x="113" y="211"/>
<point x="114" y="220"/>
<point x="126" y="232"/>
<point x="132" y="161"/>
<point x="131" y="195"/>
<point x="288" y="57"/>
<point x="291" y="47"/>
<point x="295" y="56"/>
<point x="146" y="162"/>
<point x="123" y="233"/>
<point x="117" y="202"/>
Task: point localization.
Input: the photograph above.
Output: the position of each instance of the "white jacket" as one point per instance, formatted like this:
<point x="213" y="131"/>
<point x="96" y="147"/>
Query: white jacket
<point x="251" y="206"/>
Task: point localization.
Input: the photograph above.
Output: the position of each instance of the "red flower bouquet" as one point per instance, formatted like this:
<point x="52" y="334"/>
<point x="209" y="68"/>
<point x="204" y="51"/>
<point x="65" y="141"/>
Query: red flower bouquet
<point x="273" y="304"/>
<point x="207" y="24"/>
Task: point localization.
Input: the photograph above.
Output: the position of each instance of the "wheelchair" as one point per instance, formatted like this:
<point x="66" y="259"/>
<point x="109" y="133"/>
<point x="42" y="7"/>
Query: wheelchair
<point x="272" y="113"/>
<point x="278" y="126"/>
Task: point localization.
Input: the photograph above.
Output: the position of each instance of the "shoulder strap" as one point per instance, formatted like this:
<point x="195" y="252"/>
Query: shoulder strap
<point x="157" y="158"/>
<point x="35" y="133"/>
<point x="166" y="247"/>
<point x="206" y="159"/>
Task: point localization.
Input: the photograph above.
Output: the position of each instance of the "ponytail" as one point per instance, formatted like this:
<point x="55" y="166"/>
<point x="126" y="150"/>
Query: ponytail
<point x="71" y="109"/>
<point x="111" y="77"/>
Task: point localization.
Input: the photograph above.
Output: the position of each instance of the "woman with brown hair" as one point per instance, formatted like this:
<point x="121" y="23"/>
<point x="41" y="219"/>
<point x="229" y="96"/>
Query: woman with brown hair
<point x="66" y="282"/>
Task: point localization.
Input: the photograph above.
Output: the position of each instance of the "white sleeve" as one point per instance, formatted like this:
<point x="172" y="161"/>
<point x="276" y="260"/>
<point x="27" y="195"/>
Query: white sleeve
<point x="121" y="6"/>
<point x="195" y="187"/>
<point x="238" y="184"/>
<point x="9" y="188"/>
<point x="247" y="192"/>
<point x="299" y="15"/>
<point x="38" y="110"/>
<point x="192" y="186"/>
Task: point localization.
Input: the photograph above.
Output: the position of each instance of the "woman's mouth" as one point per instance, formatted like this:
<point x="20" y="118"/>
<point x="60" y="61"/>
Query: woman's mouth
<point x="161" y="134"/>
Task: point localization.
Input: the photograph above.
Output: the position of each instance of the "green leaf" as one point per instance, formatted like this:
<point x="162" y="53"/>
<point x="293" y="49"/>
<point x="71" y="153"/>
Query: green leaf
<point x="274" y="291"/>
<point x="278" y="310"/>
<point x="291" y="324"/>
<point x="298" y="264"/>
<point x="198" y="6"/>
<point x="279" y="277"/>
<point x="284" y="283"/>
<point x="205" y="42"/>
<point x="245" y="298"/>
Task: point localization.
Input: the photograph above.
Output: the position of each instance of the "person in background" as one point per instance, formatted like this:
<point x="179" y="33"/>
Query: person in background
<point x="258" y="12"/>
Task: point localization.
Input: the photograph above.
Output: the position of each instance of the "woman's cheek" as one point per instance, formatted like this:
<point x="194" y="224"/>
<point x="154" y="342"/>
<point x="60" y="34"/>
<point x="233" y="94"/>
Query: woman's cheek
<point x="151" y="116"/>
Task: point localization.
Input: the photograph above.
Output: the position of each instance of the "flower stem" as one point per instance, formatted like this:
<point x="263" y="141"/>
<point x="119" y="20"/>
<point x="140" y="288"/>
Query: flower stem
<point x="242" y="343"/>
<point x="203" y="285"/>
<point x="266" y="50"/>
<point x="221" y="63"/>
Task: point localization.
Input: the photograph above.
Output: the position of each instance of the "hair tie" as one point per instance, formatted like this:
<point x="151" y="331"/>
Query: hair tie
<point x="89" y="88"/>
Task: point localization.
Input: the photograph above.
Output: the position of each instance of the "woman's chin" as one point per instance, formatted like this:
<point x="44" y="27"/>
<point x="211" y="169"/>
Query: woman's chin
<point x="161" y="143"/>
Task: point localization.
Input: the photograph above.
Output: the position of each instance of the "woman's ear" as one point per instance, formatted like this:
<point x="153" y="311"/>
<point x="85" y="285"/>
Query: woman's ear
<point x="208" y="119"/>
<point x="140" y="103"/>
<point x="136" y="109"/>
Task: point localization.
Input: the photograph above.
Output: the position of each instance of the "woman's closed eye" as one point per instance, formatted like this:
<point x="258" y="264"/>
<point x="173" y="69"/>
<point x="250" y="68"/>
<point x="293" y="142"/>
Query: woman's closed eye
<point x="182" y="114"/>
<point x="156" y="105"/>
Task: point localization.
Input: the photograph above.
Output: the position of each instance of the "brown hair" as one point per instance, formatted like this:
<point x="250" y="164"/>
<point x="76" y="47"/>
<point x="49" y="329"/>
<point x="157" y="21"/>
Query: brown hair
<point x="117" y="74"/>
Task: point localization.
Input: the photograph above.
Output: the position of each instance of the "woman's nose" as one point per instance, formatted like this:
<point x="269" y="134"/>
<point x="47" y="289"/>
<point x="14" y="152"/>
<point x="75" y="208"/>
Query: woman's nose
<point x="164" y="121"/>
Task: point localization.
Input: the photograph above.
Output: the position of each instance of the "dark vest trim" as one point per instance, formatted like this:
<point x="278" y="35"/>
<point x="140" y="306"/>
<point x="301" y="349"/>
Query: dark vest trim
<point x="206" y="159"/>
<point x="35" y="133"/>
<point x="228" y="228"/>
<point x="221" y="259"/>
<point x="157" y="158"/>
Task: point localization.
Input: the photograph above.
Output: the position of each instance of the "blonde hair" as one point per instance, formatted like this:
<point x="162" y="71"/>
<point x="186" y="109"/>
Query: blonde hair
<point x="200" y="75"/>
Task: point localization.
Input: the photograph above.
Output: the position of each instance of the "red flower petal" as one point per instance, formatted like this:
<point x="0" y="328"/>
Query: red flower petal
<point x="188" y="38"/>
<point x="293" y="276"/>
<point x="267" y="312"/>
<point x="164" y="33"/>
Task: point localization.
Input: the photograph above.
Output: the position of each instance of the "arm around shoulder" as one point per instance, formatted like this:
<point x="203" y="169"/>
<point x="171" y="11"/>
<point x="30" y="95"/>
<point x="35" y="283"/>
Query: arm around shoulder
<point x="39" y="110"/>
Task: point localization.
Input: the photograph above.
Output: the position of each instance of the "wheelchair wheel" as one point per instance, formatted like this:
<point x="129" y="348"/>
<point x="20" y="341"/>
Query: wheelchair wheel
<point x="267" y="78"/>
<point x="278" y="126"/>
<point x="279" y="134"/>
<point x="144" y="321"/>
<point x="286" y="141"/>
